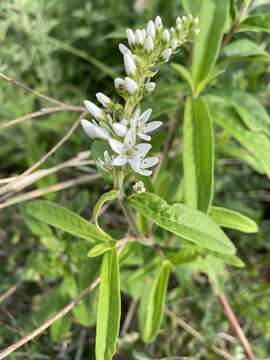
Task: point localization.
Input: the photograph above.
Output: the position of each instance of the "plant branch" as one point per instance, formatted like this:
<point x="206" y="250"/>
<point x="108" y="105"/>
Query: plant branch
<point x="235" y="325"/>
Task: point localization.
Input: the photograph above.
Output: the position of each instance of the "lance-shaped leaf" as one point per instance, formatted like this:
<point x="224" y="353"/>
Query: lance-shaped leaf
<point x="257" y="23"/>
<point x="213" y="17"/>
<point x="108" y="310"/>
<point x="184" y="221"/>
<point x="156" y="304"/>
<point x="198" y="155"/>
<point x="233" y="220"/>
<point x="66" y="220"/>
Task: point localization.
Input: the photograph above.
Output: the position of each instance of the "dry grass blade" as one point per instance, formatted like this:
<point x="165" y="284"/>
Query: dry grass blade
<point x="44" y="158"/>
<point x="54" y="188"/>
<point x="37" y="114"/>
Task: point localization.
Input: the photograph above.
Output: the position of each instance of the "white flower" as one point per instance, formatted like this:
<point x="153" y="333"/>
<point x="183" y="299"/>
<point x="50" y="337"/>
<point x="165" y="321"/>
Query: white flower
<point x="150" y="29"/>
<point x="124" y="49"/>
<point x="141" y="166"/>
<point x="131" y="85"/>
<point x="129" y="64"/>
<point x="178" y="20"/>
<point x="128" y="152"/>
<point x="119" y="129"/>
<point x="150" y="87"/>
<point x="158" y="22"/>
<point x="93" y="130"/>
<point x="166" y="54"/>
<point x="139" y="123"/>
<point x="139" y="38"/>
<point x="166" y="35"/>
<point x="130" y="37"/>
<point x="149" y="44"/>
<point x="119" y="82"/>
<point x="94" y="110"/>
<point x="104" y="100"/>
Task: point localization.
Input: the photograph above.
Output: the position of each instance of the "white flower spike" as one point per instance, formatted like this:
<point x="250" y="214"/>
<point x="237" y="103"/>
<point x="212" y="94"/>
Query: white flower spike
<point x="124" y="128"/>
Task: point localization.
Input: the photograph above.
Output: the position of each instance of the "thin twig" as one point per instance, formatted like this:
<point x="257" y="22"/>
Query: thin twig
<point x="189" y="329"/>
<point x="46" y="156"/>
<point x="80" y="347"/>
<point x="66" y="309"/>
<point x="9" y="292"/>
<point x="228" y="311"/>
<point x="129" y="316"/>
<point x="42" y="112"/>
<point x="53" y="188"/>
<point x="236" y="23"/>
<point x="27" y="88"/>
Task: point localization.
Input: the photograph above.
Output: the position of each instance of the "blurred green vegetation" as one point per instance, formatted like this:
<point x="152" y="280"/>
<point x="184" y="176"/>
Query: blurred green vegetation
<point x="69" y="50"/>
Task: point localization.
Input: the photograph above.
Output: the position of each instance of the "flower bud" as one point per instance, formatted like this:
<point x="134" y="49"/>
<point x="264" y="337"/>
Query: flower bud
<point x="124" y="49"/>
<point x="94" y="110"/>
<point x="166" y="54"/>
<point x="131" y="85"/>
<point x="158" y="22"/>
<point x="178" y="20"/>
<point x="166" y="36"/>
<point x="174" y="44"/>
<point x="119" y="129"/>
<point x="118" y="82"/>
<point x="129" y="63"/>
<point x="150" y="29"/>
<point x="139" y="37"/>
<point x="104" y="100"/>
<point x="130" y="37"/>
<point x="150" y="87"/>
<point x="139" y="187"/>
<point x="94" y="131"/>
<point x="143" y="34"/>
<point x="149" y="45"/>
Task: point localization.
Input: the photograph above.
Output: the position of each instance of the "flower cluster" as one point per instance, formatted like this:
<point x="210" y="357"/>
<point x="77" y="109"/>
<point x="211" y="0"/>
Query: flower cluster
<point x="126" y="129"/>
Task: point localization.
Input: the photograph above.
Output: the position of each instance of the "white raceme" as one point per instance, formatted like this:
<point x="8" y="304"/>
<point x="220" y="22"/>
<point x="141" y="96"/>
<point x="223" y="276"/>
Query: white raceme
<point x="121" y="124"/>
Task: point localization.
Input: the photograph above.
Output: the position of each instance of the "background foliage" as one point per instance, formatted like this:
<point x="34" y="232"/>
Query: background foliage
<point x="68" y="50"/>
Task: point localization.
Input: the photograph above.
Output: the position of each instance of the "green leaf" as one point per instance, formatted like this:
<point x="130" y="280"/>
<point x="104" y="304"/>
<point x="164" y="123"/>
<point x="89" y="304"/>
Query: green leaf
<point x="250" y="110"/>
<point x="213" y="18"/>
<point x="66" y="220"/>
<point x="257" y="23"/>
<point x="100" y="249"/>
<point x="243" y="48"/>
<point x="108" y="196"/>
<point x="231" y="260"/>
<point x="192" y="6"/>
<point x="257" y="144"/>
<point x="233" y="220"/>
<point x="185" y="74"/>
<point x="156" y="304"/>
<point x="198" y="155"/>
<point x="182" y="220"/>
<point x="108" y="310"/>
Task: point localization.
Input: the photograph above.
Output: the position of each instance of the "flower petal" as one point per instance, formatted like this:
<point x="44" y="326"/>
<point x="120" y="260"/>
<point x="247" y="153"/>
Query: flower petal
<point x="145" y="116"/>
<point x="130" y="138"/>
<point x="120" y="160"/>
<point x="149" y="162"/>
<point x="117" y="146"/>
<point x="153" y="125"/>
<point x="119" y="129"/>
<point x="134" y="163"/>
<point x="142" y="149"/>
<point x="144" y="136"/>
